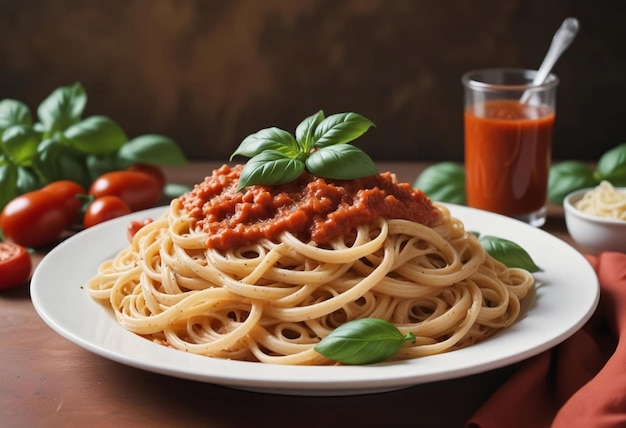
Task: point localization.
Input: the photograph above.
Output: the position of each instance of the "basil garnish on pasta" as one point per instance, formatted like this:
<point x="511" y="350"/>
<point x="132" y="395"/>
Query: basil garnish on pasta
<point x="320" y="146"/>
<point x="363" y="341"/>
<point x="507" y="252"/>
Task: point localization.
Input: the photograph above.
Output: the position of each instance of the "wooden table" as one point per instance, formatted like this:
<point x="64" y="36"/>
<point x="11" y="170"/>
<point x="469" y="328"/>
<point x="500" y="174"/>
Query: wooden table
<point x="47" y="381"/>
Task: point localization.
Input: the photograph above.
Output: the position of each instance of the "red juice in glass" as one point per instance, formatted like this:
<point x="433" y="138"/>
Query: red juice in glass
<point x="508" y="148"/>
<point x="509" y="122"/>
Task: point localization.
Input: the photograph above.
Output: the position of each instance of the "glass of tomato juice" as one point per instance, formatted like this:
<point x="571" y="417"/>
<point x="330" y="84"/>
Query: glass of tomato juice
<point x="509" y="124"/>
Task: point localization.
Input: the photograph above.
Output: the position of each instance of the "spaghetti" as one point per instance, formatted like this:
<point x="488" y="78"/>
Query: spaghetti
<point x="274" y="299"/>
<point x="604" y="201"/>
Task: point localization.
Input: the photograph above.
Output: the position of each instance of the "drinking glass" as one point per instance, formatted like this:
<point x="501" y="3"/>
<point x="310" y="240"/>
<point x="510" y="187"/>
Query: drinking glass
<point x="509" y="124"/>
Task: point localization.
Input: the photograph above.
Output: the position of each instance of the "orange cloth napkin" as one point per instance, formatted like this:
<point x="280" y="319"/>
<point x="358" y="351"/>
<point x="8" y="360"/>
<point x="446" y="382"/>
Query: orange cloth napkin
<point x="579" y="383"/>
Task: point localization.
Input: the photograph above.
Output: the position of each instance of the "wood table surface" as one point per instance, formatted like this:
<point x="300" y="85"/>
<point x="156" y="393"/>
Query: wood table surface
<point x="47" y="381"/>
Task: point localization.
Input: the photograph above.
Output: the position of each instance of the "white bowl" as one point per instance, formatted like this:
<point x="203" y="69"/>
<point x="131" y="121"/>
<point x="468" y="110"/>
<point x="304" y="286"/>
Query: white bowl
<point x="593" y="234"/>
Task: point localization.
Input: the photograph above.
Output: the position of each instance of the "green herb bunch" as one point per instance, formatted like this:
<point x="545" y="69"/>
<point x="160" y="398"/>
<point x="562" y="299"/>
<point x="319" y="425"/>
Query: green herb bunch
<point x="62" y="145"/>
<point x="319" y="146"/>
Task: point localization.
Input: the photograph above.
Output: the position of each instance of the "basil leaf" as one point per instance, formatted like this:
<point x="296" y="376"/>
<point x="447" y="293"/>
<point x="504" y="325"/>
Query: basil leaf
<point x="612" y="166"/>
<point x="97" y="135"/>
<point x="62" y="108"/>
<point x="267" y="139"/>
<point x="363" y="341"/>
<point x="8" y="183"/>
<point x="508" y="252"/>
<point x="340" y="128"/>
<point x="27" y="180"/>
<point x="443" y="182"/>
<point x="270" y="167"/>
<point x="20" y="144"/>
<point x="567" y="176"/>
<point x="152" y="149"/>
<point x="56" y="161"/>
<point x="306" y="130"/>
<point x="48" y="152"/>
<point x="12" y="113"/>
<point x="342" y="162"/>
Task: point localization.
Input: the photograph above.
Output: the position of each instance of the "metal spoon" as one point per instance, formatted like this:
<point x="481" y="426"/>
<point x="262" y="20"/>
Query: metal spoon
<point x="561" y="41"/>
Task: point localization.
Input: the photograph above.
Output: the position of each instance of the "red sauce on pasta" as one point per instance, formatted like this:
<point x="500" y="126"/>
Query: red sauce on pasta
<point x="311" y="208"/>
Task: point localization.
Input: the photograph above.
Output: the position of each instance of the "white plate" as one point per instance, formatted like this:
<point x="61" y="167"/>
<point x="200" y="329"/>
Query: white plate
<point x="566" y="295"/>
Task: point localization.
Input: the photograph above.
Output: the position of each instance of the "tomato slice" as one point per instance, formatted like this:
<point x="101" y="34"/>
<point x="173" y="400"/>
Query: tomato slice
<point x="134" y="226"/>
<point x="15" y="265"/>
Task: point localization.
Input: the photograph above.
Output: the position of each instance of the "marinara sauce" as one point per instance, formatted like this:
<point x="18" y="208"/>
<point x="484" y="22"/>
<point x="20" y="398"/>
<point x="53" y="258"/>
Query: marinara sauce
<point x="507" y="156"/>
<point x="310" y="207"/>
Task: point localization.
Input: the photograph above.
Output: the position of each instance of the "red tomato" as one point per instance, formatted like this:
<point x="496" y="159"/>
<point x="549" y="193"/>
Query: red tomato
<point x="138" y="190"/>
<point x="34" y="219"/>
<point x="134" y="227"/>
<point x="152" y="170"/>
<point x="68" y="191"/>
<point x="15" y="265"/>
<point x="105" y="208"/>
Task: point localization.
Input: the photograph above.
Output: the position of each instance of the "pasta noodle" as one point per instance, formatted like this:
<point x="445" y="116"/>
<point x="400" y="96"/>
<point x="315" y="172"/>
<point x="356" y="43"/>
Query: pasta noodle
<point x="604" y="201"/>
<point x="273" y="300"/>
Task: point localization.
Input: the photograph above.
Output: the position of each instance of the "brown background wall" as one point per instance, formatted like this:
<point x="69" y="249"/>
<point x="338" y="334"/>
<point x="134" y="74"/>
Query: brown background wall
<point x="208" y="73"/>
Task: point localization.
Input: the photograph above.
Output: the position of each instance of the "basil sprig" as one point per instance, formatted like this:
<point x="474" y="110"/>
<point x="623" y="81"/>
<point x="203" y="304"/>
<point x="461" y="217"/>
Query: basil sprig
<point x="319" y="146"/>
<point x="507" y="252"/>
<point x="363" y="341"/>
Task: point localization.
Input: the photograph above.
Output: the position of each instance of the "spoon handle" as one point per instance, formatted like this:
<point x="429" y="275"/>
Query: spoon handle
<point x="561" y="41"/>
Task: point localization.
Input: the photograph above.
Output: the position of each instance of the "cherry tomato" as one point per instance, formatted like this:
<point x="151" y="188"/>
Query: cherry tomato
<point x="34" y="219"/>
<point x="137" y="189"/>
<point x="15" y="265"/>
<point x="134" y="227"/>
<point x="105" y="208"/>
<point x="152" y="170"/>
<point x="68" y="191"/>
